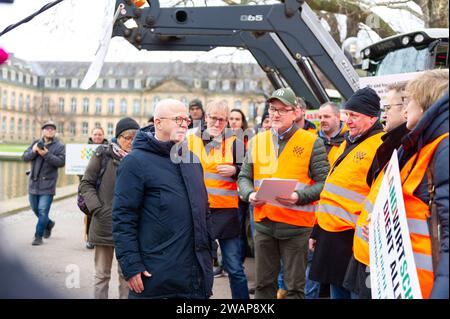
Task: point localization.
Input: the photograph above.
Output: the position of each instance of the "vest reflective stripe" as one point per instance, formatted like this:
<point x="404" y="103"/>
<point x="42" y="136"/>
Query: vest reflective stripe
<point x="417" y="213"/>
<point x="219" y="191"/>
<point x="423" y="261"/>
<point x="338" y="212"/>
<point x="368" y="206"/>
<point x="292" y="163"/>
<point x="418" y="227"/>
<point x="222" y="191"/>
<point x="218" y="177"/>
<point x="346" y="188"/>
<point x="340" y="191"/>
<point x="359" y="234"/>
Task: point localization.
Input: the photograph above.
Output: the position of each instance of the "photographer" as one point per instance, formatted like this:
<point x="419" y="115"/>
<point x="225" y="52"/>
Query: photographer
<point x="46" y="155"/>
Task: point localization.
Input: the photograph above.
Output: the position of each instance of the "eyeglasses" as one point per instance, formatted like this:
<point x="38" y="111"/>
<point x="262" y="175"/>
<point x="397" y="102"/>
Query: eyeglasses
<point x="127" y="137"/>
<point x="178" y="120"/>
<point x="214" y="119"/>
<point x="387" y="107"/>
<point x="281" y="112"/>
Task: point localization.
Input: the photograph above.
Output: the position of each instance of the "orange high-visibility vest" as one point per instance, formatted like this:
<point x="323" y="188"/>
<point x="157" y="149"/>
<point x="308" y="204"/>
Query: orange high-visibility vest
<point x="360" y="244"/>
<point x="333" y="150"/>
<point x="292" y="163"/>
<point x="417" y="213"/>
<point x="346" y="187"/>
<point x="222" y="191"/>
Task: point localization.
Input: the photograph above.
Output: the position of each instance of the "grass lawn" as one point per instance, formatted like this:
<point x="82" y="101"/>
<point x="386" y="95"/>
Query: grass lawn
<point x="13" y="148"/>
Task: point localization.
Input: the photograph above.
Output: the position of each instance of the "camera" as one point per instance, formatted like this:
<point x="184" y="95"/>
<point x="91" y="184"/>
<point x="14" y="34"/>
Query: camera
<point x="41" y="145"/>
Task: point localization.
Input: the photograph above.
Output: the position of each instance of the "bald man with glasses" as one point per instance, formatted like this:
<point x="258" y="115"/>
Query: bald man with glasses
<point x="161" y="220"/>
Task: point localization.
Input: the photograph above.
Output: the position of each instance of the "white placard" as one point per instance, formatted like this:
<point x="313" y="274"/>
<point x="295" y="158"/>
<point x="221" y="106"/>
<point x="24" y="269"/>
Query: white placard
<point x="380" y="83"/>
<point x="77" y="157"/>
<point x="393" y="273"/>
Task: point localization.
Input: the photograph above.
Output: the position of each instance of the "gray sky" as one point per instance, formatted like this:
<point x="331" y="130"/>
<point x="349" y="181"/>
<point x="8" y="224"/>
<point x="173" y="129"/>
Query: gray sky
<point x="71" y="31"/>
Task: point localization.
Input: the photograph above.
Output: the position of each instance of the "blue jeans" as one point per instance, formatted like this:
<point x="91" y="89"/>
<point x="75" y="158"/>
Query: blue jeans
<point x="339" y="293"/>
<point x="312" y="288"/>
<point x="281" y="284"/>
<point x="232" y="263"/>
<point x="40" y="204"/>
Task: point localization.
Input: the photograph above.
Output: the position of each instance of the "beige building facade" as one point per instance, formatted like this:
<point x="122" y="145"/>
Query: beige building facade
<point x="34" y="92"/>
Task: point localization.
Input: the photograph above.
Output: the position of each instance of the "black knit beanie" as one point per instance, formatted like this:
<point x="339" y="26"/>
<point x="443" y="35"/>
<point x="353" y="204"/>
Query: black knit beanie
<point x="124" y="124"/>
<point x="365" y="101"/>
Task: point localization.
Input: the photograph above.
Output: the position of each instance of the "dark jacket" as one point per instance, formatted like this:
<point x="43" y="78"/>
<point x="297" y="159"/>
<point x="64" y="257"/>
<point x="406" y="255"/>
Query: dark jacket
<point x="318" y="171"/>
<point x="335" y="140"/>
<point x="161" y="221"/>
<point x="44" y="170"/>
<point x="433" y="124"/>
<point x="99" y="202"/>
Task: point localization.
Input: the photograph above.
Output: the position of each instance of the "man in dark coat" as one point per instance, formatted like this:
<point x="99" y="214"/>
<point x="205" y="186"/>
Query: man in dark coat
<point x="46" y="155"/>
<point x="160" y="213"/>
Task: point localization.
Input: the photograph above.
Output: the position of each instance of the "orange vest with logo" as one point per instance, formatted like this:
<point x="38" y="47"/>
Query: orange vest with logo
<point x="346" y="187"/>
<point x="333" y="150"/>
<point x="222" y="191"/>
<point x="417" y="213"/>
<point x="292" y="163"/>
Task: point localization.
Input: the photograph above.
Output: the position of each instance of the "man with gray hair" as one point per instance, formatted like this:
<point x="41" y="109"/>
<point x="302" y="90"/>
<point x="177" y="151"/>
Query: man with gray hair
<point x="161" y="222"/>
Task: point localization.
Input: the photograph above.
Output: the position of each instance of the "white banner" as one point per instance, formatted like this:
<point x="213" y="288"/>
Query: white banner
<point x="77" y="157"/>
<point x="393" y="273"/>
<point x="380" y="83"/>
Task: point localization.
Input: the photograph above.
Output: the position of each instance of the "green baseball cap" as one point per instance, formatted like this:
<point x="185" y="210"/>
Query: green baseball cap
<point x="285" y="96"/>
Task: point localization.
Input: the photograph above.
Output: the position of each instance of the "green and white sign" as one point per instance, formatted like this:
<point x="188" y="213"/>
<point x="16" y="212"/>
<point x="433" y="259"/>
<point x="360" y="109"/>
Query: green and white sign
<point x="77" y="157"/>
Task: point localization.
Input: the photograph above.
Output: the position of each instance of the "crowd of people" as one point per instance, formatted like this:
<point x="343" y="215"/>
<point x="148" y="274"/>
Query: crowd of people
<point x="164" y="198"/>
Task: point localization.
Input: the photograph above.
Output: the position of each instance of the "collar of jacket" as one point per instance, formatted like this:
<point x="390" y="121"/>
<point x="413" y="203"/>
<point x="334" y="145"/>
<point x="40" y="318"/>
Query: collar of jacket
<point x="286" y="135"/>
<point x="337" y="138"/>
<point x="375" y="129"/>
<point x="396" y="135"/>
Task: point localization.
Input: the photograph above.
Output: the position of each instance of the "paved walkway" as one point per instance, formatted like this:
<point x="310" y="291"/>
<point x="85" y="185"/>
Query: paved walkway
<point x="63" y="256"/>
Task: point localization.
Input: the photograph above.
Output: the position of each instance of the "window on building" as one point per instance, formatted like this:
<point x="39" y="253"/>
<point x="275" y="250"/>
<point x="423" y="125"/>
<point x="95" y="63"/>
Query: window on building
<point x="110" y="129"/>
<point x="136" y="107"/>
<point x="5" y="73"/>
<point x="60" y="128"/>
<point x="35" y="80"/>
<point x="11" y="124"/>
<point x="13" y="101"/>
<point x="21" y="102"/>
<point x="85" y="105"/>
<point x="61" y="105"/>
<point x="19" y="125"/>
<point x="156" y="100"/>
<point x="33" y="127"/>
<point x="239" y="85"/>
<point x="5" y="100"/>
<point x="73" y="105"/>
<point x="237" y="104"/>
<point x="99" y="83"/>
<point x="112" y="83"/>
<point x="74" y="83"/>
<point x="185" y="100"/>
<point x="98" y="106"/>
<point x="27" y="79"/>
<point x="124" y="83"/>
<point x="4" y="124"/>
<point x="251" y="111"/>
<point x="13" y="75"/>
<point x="20" y="77"/>
<point x="35" y="102"/>
<point x="48" y="82"/>
<point x="123" y="106"/>
<point x="110" y="106"/>
<point x="97" y="125"/>
<point x="62" y="83"/>
<point x="85" y="128"/>
<point x="28" y="104"/>
<point x="212" y="85"/>
<point x="27" y="126"/>
<point x="46" y="106"/>
<point x="226" y="85"/>
<point x="72" y="128"/>
<point x="137" y="84"/>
